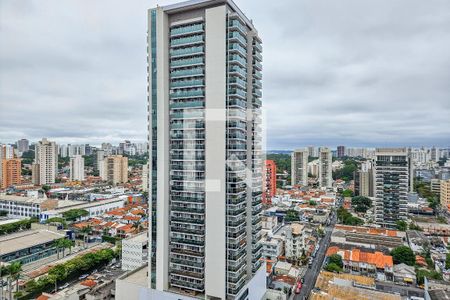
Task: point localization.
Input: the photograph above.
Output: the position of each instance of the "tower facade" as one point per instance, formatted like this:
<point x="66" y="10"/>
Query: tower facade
<point x="299" y="167"/>
<point x="325" y="168"/>
<point x="205" y="142"/>
<point x="45" y="162"/>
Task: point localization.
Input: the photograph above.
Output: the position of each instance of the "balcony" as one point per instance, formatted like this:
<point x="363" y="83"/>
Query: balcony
<point x="187" y="241"/>
<point x="237" y="59"/>
<point x="187" y="273"/>
<point x="191" y="40"/>
<point x="257" y="92"/>
<point x="187" y="83"/>
<point x="237" y="93"/>
<point x="188" y="62"/>
<point x="187" y="115"/>
<point x="238" y="48"/>
<point x="187" y="230"/>
<point x="188" y="209"/>
<point x="237" y="25"/>
<point x="257" y="65"/>
<point x="190" y="104"/>
<point x="257" y="55"/>
<point x="187" y="220"/>
<point x="187" y="285"/>
<point x="237" y="81"/>
<point x="257" y="74"/>
<point x="258" y="46"/>
<point x="187" y="73"/>
<point x="237" y="102"/>
<point x="190" y="29"/>
<point x="185" y="262"/>
<point x="188" y="94"/>
<point x="236" y="36"/>
<point x="187" y="51"/>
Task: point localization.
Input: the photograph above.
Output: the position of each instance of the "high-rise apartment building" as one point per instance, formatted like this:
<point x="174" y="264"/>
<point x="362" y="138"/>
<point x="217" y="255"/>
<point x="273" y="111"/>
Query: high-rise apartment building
<point x="445" y="194"/>
<point x="269" y="181"/>
<point x="11" y="172"/>
<point x="77" y="168"/>
<point x="100" y="156"/>
<point x="115" y="169"/>
<point x="391" y="185"/>
<point x="299" y="167"/>
<point x="340" y="151"/>
<point x="145" y="173"/>
<point x="325" y="168"/>
<point x="206" y="150"/>
<point x="45" y="164"/>
<point x="364" y="180"/>
<point x="23" y="145"/>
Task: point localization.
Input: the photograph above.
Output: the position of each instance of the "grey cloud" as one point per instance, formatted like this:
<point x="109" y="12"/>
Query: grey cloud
<point x="348" y="72"/>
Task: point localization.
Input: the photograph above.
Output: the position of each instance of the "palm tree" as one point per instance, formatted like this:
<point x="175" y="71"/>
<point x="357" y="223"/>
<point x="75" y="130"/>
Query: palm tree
<point x="137" y="226"/>
<point x="65" y="243"/>
<point x="85" y="232"/>
<point x="57" y="245"/>
<point x="14" y="271"/>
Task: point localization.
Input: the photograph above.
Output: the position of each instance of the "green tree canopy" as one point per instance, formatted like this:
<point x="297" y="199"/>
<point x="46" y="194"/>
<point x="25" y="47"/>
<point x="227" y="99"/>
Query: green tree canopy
<point x="291" y="215"/>
<point x="403" y="254"/>
<point x="347" y="193"/>
<point x="332" y="267"/>
<point x="74" y="214"/>
<point x="361" y="203"/>
<point x="401" y="225"/>
<point x="336" y="259"/>
<point x="347" y="218"/>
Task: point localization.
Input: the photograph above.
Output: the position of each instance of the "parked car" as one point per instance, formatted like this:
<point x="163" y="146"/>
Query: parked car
<point x="298" y="287"/>
<point x="84" y="276"/>
<point x="63" y="286"/>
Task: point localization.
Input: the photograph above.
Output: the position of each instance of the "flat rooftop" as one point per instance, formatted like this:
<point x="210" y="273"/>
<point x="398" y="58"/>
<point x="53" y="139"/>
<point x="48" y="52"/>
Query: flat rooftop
<point x="85" y="204"/>
<point x="138" y="277"/>
<point x="26" y="239"/>
<point x="22" y="199"/>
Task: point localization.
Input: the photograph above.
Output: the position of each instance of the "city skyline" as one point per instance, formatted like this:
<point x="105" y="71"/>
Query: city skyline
<point x="380" y="85"/>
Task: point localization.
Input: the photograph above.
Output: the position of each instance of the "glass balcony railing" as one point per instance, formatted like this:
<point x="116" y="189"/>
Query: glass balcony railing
<point x="257" y="102"/>
<point x="234" y="35"/>
<point x="186" y="29"/>
<point x="257" y="65"/>
<point x="195" y="39"/>
<point x="187" y="73"/>
<point x="187" y="83"/>
<point x="257" y="74"/>
<point x="236" y="69"/>
<point x="187" y="94"/>
<point x="257" y="92"/>
<point x="190" y="104"/>
<point x="257" y="55"/>
<point x="185" y="115"/>
<point x="258" y="46"/>
<point x="237" y="92"/>
<point x="238" y="81"/>
<point x="235" y="24"/>
<point x="187" y="51"/>
<point x="181" y="125"/>
<point x="237" y="102"/>
<point x="187" y="62"/>
<point x="237" y="47"/>
<point x="234" y="58"/>
<point x="257" y="83"/>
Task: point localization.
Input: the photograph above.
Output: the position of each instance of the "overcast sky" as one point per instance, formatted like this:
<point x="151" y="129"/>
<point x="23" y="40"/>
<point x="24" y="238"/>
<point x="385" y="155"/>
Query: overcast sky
<point x="351" y="72"/>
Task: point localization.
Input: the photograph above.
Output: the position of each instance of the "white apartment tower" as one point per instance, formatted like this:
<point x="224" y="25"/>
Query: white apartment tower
<point x="45" y="162"/>
<point x="204" y="103"/>
<point x="77" y="168"/>
<point x="325" y="168"/>
<point x="391" y="185"/>
<point x="299" y="167"/>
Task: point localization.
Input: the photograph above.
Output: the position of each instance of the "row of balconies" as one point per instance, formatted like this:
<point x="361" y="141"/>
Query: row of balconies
<point x="189" y="29"/>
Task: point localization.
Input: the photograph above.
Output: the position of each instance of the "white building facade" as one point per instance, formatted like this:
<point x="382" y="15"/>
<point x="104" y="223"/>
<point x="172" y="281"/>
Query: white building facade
<point x="76" y="168"/>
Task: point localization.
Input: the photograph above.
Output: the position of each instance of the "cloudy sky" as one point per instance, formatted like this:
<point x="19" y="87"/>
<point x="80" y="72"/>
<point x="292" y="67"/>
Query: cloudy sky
<point x="351" y="72"/>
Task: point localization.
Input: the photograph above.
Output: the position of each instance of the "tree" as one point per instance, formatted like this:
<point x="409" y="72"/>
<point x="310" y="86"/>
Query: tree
<point x="414" y="226"/>
<point x="75" y="214"/>
<point x="361" y="203"/>
<point x="347" y="218"/>
<point x="336" y="259"/>
<point x="332" y="267"/>
<point x="46" y="188"/>
<point x="312" y="203"/>
<point x="403" y="254"/>
<point x="14" y="271"/>
<point x="401" y="225"/>
<point x="291" y="215"/>
<point x="347" y="193"/>
<point x="422" y="273"/>
<point x="85" y="231"/>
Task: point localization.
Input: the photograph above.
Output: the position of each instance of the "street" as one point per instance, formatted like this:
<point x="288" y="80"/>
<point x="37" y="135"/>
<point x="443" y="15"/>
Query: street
<point x="312" y="273"/>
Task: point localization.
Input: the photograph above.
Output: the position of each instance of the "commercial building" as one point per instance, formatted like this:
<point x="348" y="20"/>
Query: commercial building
<point x="445" y="194"/>
<point x="206" y="161"/>
<point x="20" y="207"/>
<point x="340" y="151"/>
<point x="325" y="169"/>
<point x="135" y="251"/>
<point x="299" y="167"/>
<point x="391" y="185"/>
<point x="45" y="165"/>
<point x="76" y="168"/>
<point x="28" y="246"/>
<point x="269" y="181"/>
<point x="11" y="172"/>
<point x="23" y="145"/>
<point x="115" y="169"/>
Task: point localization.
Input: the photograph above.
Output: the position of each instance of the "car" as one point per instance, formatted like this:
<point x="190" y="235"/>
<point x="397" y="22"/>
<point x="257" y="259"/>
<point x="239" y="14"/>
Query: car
<point x="63" y="286"/>
<point x="298" y="287"/>
<point x="84" y="276"/>
<point x="94" y="271"/>
<point x="302" y="280"/>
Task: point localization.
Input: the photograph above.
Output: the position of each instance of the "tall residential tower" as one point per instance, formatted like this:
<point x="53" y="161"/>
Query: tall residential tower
<point x="299" y="167"/>
<point x="325" y="168"/>
<point x="204" y="103"/>
<point x="45" y="167"/>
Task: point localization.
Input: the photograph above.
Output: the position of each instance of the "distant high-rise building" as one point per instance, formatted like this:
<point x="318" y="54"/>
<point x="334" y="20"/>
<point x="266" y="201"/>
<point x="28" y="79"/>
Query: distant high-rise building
<point x="206" y="157"/>
<point x="325" y="168"/>
<point x="100" y="155"/>
<point x="115" y="169"/>
<point x="77" y="168"/>
<point x="269" y="182"/>
<point x="108" y="148"/>
<point x="364" y="180"/>
<point x="313" y="151"/>
<point x="299" y="167"/>
<point x="145" y="173"/>
<point x="391" y="185"/>
<point x="445" y="194"/>
<point x="23" y="145"/>
<point x="63" y="151"/>
<point x="11" y="172"/>
<point x="434" y="154"/>
<point x="340" y="151"/>
<point x="46" y="159"/>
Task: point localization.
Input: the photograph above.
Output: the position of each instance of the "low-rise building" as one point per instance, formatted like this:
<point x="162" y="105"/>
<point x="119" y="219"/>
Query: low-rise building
<point x="295" y="241"/>
<point x="134" y="251"/>
<point x="272" y="248"/>
<point x="404" y="273"/>
<point x="20" y="207"/>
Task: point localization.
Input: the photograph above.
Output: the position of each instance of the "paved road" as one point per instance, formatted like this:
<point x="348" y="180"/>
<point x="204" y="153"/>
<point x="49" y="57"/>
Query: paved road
<point x="312" y="273"/>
